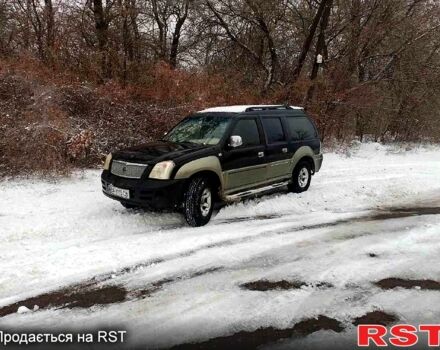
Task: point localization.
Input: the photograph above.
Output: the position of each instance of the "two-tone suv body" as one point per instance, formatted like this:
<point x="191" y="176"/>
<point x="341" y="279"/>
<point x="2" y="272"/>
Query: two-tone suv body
<point x="221" y="154"/>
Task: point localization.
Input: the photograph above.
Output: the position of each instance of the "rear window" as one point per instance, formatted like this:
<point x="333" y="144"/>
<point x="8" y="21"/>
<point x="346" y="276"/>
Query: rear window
<point x="248" y="130"/>
<point x="301" y="128"/>
<point x="274" y="130"/>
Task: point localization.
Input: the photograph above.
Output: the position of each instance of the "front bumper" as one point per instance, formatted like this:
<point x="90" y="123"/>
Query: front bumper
<point x="148" y="193"/>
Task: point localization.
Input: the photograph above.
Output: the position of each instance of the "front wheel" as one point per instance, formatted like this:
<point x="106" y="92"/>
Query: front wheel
<point x="301" y="177"/>
<point x="198" y="202"/>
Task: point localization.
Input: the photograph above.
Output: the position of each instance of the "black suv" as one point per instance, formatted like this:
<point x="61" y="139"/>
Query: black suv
<point x="220" y="154"/>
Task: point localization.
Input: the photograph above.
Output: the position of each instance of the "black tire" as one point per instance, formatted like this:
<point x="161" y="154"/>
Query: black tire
<point x="301" y="177"/>
<point x="193" y="212"/>
<point x="129" y="206"/>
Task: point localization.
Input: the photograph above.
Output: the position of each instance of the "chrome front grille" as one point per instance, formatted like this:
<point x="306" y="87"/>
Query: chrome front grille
<point x="128" y="170"/>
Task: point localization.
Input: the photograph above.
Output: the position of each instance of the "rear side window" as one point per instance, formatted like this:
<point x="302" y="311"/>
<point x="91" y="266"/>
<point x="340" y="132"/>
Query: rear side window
<point x="248" y="130"/>
<point x="274" y="130"/>
<point x="301" y="128"/>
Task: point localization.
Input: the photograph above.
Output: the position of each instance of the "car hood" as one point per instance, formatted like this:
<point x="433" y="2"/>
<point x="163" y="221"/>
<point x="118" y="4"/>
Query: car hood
<point x="154" y="152"/>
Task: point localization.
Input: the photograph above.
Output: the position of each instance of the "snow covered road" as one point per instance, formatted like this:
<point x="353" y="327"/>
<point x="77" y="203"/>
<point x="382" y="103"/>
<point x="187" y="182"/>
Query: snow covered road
<point x="309" y="264"/>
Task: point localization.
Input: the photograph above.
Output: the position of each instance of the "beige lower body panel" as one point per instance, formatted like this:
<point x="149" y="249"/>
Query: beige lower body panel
<point x="253" y="178"/>
<point x="278" y="169"/>
<point x="240" y="195"/>
<point x="238" y="179"/>
<point x="261" y="178"/>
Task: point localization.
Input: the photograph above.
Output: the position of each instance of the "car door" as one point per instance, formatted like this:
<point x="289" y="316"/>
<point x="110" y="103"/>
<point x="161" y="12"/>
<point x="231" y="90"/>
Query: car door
<point x="244" y="166"/>
<point x="276" y="153"/>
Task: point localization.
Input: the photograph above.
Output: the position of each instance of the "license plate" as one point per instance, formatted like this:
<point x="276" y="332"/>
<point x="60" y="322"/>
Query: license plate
<point x="118" y="192"/>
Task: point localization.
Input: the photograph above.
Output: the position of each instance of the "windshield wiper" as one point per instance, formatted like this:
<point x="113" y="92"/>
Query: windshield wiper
<point x="188" y="142"/>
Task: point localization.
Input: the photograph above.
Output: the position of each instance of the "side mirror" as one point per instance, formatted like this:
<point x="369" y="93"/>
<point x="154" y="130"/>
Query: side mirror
<point x="235" y="141"/>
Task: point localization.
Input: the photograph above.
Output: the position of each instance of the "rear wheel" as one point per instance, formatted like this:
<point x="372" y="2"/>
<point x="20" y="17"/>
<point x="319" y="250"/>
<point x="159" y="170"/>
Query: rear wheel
<point x="198" y="202"/>
<point x="301" y="177"/>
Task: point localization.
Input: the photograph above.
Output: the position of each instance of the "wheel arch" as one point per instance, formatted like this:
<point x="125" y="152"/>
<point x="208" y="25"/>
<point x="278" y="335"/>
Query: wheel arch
<point x="209" y="167"/>
<point x="309" y="160"/>
<point x="304" y="153"/>
<point x="213" y="179"/>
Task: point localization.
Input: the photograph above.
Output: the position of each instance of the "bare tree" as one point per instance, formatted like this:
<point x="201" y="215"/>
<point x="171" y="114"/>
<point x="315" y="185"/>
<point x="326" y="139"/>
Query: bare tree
<point x="320" y="50"/>
<point x="308" y="40"/>
<point x="263" y="16"/>
<point x="50" y="28"/>
<point x="102" y="18"/>
<point x="170" y="18"/>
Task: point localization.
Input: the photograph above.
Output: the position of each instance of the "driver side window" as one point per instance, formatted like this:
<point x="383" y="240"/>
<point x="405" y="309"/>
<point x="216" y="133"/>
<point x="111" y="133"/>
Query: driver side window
<point x="248" y="130"/>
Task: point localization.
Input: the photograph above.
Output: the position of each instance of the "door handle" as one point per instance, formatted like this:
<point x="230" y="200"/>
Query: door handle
<point x="260" y="154"/>
<point x="284" y="150"/>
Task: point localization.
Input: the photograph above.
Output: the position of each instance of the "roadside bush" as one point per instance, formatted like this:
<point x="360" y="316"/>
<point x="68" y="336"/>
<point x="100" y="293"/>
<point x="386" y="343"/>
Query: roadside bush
<point x="53" y="123"/>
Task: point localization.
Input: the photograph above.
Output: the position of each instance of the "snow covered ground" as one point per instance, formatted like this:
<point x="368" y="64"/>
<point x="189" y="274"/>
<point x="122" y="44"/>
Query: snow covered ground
<point x="371" y="214"/>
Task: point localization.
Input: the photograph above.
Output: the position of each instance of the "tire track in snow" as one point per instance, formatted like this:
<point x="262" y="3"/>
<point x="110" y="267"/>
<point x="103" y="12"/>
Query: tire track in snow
<point x="47" y="299"/>
<point x="92" y="284"/>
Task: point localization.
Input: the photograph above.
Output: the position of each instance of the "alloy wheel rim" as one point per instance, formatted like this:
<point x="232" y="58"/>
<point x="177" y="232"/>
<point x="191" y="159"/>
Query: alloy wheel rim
<point x="205" y="202"/>
<point x="303" y="177"/>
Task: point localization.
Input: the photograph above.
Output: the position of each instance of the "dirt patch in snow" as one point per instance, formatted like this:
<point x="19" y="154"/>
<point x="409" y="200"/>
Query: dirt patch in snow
<point x="375" y="317"/>
<point x="265" y="285"/>
<point x="102" y="296"/>
<point x="391" y="283"/>
<point x="263" y="336"/>
<point x="70" y="298"/>
<point x="384" y="214"/>
<point x="89" y="294"/>
<point x="403" y="212"/>
<point x="313" y="325"/>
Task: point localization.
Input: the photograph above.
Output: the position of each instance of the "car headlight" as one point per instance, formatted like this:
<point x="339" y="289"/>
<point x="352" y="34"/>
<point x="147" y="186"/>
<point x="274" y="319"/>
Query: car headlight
<point x="107" y="162"/>
<point x="162" y="170"/>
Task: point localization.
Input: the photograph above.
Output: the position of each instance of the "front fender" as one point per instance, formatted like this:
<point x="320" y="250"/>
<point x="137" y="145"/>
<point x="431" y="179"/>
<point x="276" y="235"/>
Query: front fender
<point x="210" y="163"/>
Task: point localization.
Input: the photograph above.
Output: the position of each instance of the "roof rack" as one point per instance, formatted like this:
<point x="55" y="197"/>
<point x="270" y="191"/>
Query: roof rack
<point x="267" y="108"/>
<point x="248" y="108"/>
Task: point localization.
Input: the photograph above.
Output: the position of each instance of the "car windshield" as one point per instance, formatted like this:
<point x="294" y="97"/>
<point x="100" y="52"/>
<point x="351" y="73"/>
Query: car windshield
<point x="206" y="130"/>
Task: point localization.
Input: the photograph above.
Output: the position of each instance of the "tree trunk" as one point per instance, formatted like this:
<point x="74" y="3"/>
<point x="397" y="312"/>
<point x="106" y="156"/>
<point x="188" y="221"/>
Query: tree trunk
<point x="355" y="14"/>
<point x="38" y="29"/>
<point x="101" y="26"/>
<point x="321" y="49"/>
<point x="50" y="30"/>
<point x="174" y="50"/>
<point x="273" y="56"/>
<point x="162" y="30"/>
<point x="127" y="41"/>
<point x="134" y="25"/>
<point x="27" y="26"/>
<point x="308" y="41"/>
